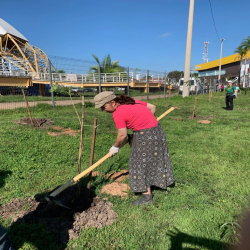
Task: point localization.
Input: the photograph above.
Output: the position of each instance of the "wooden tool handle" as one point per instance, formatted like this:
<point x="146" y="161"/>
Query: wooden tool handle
<point x="164" y="114"/>
<point x="63" y="187"/>
<point x="79" y="176"/>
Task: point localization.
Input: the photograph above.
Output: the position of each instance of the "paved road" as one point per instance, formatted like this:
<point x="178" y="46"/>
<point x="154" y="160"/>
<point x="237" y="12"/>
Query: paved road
<point x="14" y="105"/>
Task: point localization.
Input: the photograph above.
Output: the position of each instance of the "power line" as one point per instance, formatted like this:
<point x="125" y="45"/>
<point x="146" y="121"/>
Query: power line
<point x="213" y="19"/>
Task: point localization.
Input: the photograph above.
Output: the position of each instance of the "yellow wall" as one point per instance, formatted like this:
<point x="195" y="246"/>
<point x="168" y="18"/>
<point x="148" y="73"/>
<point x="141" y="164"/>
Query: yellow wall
<point x="216" y="63"/>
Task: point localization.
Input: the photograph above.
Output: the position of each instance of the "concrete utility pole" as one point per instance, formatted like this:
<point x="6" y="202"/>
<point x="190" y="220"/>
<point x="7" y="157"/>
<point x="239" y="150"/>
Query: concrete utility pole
<point x="188" y="50"/>
<point x="51" y="84"/>
<point x="221" y="46"/>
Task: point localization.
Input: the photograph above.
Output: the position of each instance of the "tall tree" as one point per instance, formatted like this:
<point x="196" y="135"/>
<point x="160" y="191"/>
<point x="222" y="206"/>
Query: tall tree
<point x="175" y="74"/>
<point x="106" y="66"/>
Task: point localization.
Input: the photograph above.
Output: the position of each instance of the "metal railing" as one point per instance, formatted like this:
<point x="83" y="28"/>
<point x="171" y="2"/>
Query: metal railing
<point x="13" y="67"/>
<point x="19" y="67"/>
<point x="121" y="77"/>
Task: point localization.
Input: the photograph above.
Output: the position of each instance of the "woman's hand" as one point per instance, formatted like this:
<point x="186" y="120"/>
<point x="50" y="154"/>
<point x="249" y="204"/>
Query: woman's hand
<point x="113" y="150"/>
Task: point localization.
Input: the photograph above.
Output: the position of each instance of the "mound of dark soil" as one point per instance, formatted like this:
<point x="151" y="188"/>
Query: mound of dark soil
<point x="36" y="122"/>
<point x="63" y="223"/>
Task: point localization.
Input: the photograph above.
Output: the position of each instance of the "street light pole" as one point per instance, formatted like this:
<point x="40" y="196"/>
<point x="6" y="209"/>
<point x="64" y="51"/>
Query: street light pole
<point x="188" y="50"/>
<point x="221" y="46"/>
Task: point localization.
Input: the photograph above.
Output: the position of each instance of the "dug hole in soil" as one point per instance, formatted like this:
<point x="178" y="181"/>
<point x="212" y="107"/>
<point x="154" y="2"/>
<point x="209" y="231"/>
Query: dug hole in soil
<point x="63" y="223"/>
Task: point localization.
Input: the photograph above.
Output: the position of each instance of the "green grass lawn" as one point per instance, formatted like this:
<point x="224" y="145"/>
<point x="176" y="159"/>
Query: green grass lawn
<point x="210" y="163"/>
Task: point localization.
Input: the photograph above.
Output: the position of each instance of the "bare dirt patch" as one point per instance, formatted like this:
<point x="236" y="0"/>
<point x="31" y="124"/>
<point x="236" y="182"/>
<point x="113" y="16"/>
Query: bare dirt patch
<point x="117" y="176"/>
<point x="204" y="121"/>
<point x="63" y="224"/>
<point x="63" y="131"/>
<point x="116" y="188"/>
<point x="37" y="122"/>
<point x="45" y="124"/>
<point x="210" y="117"/>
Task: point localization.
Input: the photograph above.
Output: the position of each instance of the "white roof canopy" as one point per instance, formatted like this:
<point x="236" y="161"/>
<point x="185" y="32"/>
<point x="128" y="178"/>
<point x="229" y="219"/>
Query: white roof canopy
<point x="6" y="28"/>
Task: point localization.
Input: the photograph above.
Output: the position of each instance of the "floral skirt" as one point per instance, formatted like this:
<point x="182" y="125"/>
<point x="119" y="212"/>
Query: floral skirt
<point x="149" y="162"/>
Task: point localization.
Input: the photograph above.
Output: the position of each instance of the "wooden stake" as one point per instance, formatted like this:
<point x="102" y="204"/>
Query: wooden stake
<point x="27" y="106"/>
<point x="92" y="153"/>
<point x="81" y="142"/>
<point x="195" y="101"/>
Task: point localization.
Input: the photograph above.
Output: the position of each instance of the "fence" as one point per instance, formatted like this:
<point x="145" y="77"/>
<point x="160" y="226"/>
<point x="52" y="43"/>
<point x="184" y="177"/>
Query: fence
<point x="71" y="78"/>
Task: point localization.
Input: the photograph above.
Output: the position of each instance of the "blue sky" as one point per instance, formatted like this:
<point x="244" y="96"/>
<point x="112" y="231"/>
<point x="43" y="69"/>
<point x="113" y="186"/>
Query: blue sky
<point x="145" y="34"/>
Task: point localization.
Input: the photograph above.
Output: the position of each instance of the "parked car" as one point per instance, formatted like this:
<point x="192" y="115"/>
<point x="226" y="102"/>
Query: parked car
<point x="121" y="89"/>
<point x="77" y="90"/>
<point x="87" y="90"/>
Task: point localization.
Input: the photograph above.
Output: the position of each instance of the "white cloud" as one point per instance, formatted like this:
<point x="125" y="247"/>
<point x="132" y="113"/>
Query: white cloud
<point x="165" y="34"/>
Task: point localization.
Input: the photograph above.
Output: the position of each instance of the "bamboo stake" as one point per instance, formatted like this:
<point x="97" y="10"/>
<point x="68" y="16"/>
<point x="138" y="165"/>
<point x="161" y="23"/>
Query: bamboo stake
<point x="195" y="101"/>
<point x="92" y="153"/>
<point x="27" y="106"/>
<point x="81" y="141"/>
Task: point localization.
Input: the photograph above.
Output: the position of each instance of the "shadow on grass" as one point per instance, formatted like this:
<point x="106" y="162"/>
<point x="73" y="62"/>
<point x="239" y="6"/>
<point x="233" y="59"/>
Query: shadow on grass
<point x="183" y="241"/>
<point x="47" y="225"/>
<point x="3" y="175"/>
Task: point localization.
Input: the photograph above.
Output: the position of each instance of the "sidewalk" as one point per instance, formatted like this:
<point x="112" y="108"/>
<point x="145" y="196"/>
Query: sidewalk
<point x="14" y="105"/>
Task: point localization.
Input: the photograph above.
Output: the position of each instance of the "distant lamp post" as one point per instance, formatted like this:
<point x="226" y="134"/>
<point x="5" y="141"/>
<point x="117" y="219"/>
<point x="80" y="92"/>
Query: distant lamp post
<point x="221" y="46"/>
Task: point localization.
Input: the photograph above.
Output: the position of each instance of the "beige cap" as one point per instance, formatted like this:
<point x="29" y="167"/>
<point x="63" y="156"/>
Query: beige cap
<point x="103" y="98"/>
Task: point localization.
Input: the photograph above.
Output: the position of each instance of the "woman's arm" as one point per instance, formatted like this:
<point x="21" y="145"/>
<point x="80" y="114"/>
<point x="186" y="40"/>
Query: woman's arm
<point x="121" y="138"/>
<point x="151" y="107"/>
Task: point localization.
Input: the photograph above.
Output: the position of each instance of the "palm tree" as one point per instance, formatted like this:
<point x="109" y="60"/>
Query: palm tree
<point x="107" y="66"/>
<point x="241" y="50"/>
<point x="246" y="43"/>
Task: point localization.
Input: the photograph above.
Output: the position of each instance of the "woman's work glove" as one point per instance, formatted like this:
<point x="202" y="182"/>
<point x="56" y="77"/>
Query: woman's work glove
<point x="113" y="150"/>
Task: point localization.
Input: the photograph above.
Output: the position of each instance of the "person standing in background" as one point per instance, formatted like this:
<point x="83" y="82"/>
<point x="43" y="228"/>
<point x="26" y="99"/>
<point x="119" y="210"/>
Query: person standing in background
<point x="230" y="95"/>
<point x="222" y="87"/>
